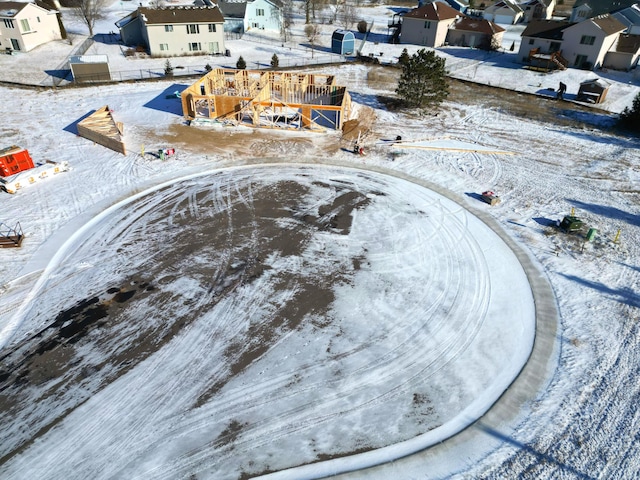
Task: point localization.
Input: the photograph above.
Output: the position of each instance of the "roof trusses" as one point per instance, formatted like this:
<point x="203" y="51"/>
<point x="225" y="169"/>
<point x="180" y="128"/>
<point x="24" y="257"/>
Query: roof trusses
<point x="269" y="99"/>
<point x="100" y="127"/>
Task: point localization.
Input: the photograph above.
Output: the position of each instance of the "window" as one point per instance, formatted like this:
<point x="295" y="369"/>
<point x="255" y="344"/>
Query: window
<point x="38" y="18"/>
<point x="212" y="28"/>
<point x="24" y="24"/>
<point x="582" y="13"/>
<point x="580" y="60"/>
<point x="587" y="40"/>
<point x="531" y="41"/>
<point x="194" y="47"/>
<point x="164" y="47"/>
<point x="213" y="47"/>
<point x="427" y="24"/>
<point x="193" y="28"/>
<point x="168" y="28"/>
<point x="259" y="12"/>
<point x="8" y="23"/>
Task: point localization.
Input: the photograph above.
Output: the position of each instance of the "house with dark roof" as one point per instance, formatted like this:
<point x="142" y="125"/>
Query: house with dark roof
<point x="24" y="26"/>
<point x="175" y="31"/>
<point x="585" y="44"/>
<point x="541" y="44"/>
<point x="567" y="44"/>
<point x="475" y="33"/>
<point x="630" y="17"/>
<point x="428" y="25"/>
<point x="583" y="9"/>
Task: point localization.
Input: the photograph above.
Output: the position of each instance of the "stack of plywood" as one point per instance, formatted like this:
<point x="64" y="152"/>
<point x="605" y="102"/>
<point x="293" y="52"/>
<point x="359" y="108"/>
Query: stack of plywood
<point x="101" y="128"/>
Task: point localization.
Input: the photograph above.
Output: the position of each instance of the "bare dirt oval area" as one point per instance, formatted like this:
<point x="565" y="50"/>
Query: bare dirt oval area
<point x="251" y="320"/>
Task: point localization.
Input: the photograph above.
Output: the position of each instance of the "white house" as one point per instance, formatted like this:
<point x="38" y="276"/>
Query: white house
<point x="168" y="31"/>
<point x="581" y="45"/>
<point x="538" y="10"/>
<point x="586" y="43"/>
<point x="506" y="12"/>
<point x="24" y="26"/>
<point x="263" y="15"/>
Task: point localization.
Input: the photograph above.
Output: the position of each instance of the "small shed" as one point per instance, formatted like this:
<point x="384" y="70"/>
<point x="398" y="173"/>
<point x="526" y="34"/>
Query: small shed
<point x="90" y="68"/>
<point x="343" y="42"/>
<point x="14" y="160"/>
<point x="593" y="91"/>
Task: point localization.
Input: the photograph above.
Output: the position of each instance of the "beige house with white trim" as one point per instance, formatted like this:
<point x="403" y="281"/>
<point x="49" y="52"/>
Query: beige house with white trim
<point x="175" y="31"/>
<point x="428" y="25"/>
<point x="24" y="26"/>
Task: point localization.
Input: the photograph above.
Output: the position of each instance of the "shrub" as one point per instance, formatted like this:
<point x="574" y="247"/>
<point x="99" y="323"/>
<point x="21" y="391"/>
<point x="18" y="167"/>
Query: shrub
<point x="241" y="64"/>
<point x="275" y="61"/>
<point x="168" y="69"/>
<point x="208" y="68"/>
<point x="362" y="26"/>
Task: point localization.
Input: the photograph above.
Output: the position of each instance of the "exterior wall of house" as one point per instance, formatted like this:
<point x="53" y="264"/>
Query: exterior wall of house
<point x="262" y="15"/>
<point x="32" y="26"/>
<point x="131" y="33"/>
<point x="234" y="25"/>
<point x="529" y="43"/>
<point x="620" y="61"/>
<point x="502" y="15"/>
<point x="577" y="52"/>
<point x="429" y="33"/>
<point x="176" y="39"/>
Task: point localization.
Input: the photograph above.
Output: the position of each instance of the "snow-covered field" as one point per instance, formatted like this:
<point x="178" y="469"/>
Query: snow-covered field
<point x="371" y="268"/>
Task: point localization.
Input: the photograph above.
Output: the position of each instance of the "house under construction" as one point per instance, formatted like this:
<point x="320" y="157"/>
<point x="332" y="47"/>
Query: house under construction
<point x="290" y="100"/>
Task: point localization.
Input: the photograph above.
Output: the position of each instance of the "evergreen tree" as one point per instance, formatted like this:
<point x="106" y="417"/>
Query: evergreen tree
<point x="168" y="68"/>
<point x="208" y="68"/>
<point x="404" y="57"/>
<point x="241" y="64"/>
<point x="423" y="81"/>
<point x="630" y="117"/>
<point x="275" y="61"/>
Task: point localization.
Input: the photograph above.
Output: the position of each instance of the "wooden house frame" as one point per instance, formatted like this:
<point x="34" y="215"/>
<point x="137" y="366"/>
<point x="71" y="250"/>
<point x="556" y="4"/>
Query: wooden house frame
<point x="268" y="99"/>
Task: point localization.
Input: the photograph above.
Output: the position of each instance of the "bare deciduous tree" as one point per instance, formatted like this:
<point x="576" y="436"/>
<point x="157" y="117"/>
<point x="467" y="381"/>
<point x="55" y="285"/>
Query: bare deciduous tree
<point x="286" y="20"/>
<point x="348" y="15"/>
<point x="88" y="11"/>
<point x="312" y="31"/>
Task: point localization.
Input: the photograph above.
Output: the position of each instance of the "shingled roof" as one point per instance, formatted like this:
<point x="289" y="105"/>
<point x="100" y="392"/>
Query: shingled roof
<point x="433" y="11"/>
<point x="599" y="7"/>
<point x="549" y="29"/>
<point x="609" y="24"/>
<point x="480" y="25"/>
<point x="11" y="9"/>
<point x="628" y="44"/>
<point x="185" y="14"/>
